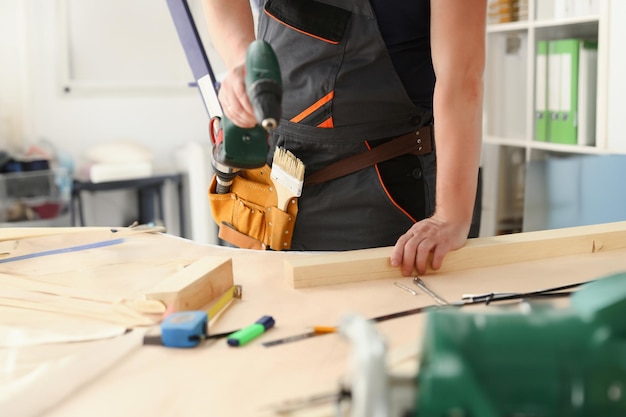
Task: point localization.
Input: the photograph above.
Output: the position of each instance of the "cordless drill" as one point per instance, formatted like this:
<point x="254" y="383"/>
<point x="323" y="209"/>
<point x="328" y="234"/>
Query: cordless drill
<point x="236" y="148"/>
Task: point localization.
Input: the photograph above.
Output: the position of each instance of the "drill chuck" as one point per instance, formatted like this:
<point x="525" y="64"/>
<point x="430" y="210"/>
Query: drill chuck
<point x="221" y="186"/>
<point x="224" y="176"/>
<point x="269" y="124"/>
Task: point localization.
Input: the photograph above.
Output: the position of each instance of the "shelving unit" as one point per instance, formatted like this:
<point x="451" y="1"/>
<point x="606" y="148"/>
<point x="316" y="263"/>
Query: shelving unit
<point x="35" y="198"/>
<point x="510" y="148"/>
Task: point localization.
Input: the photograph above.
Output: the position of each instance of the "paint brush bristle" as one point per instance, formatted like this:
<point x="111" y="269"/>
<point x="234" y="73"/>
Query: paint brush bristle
<point x="287" y="175"/>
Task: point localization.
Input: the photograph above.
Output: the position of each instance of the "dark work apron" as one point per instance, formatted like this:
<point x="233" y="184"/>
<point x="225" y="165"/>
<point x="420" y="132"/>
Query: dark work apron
<point x="341" y="93"/>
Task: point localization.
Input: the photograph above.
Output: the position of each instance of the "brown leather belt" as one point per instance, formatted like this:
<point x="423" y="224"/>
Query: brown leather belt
<point x="419" y="142"/>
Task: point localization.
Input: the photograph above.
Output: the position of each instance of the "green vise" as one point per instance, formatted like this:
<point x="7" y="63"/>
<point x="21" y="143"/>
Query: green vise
<point x="542" y="362"/>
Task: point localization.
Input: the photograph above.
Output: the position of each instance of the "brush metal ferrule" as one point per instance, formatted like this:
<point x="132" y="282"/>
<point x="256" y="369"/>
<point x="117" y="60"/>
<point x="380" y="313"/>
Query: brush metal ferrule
<point x="278" y="174"/>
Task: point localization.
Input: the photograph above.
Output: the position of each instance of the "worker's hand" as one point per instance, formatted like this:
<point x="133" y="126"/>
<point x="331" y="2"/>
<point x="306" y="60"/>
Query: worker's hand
<point x="433" y="235"/>
<point x="234" y="99"/>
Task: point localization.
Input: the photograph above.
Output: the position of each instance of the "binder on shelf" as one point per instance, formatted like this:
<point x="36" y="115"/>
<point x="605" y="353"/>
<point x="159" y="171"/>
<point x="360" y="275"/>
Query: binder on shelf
<point x="563" y="127"/>
<point x="553" y="91"/>
<point x="587" y="92"/>
<point x="504" y="11"/>
<point x="585" y="7"/>
<point x="562" y="9"/>
<point x="542" y="114"/>
<point x="569" y="51"/>
<point x="544" y="10"/>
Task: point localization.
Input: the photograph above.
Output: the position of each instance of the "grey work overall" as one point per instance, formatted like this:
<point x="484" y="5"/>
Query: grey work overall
<point x="341" y="95"/>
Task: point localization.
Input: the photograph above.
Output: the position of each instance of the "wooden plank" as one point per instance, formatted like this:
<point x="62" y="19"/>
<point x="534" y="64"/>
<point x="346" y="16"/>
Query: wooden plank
<point x="14" y="233"/>
<point x="368" y="264"/>
<point x="100" y="280"/>
<point x="116" y="313"/>
<point x="194" y="287"/>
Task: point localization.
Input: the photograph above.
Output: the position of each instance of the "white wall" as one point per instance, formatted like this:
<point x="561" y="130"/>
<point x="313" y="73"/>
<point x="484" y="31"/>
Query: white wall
<point x="12" y="66"/>
<point x="34" y="108"/>
<point x="616" y="69"/>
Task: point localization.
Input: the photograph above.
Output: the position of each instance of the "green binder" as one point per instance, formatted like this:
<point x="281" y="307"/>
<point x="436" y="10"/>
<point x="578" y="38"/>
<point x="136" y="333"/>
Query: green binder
<point x="553" y="91"/>
<point x="542" y="115"/>
<point x="564" y="128"/>
<point x="587" y="92"/>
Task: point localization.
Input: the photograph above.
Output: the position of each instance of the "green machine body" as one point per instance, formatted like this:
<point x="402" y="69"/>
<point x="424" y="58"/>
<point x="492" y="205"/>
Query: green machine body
<point x="535" y="362"/>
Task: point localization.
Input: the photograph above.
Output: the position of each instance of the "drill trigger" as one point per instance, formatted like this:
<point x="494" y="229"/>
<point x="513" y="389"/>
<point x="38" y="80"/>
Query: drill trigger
<point x="216" y="132"/>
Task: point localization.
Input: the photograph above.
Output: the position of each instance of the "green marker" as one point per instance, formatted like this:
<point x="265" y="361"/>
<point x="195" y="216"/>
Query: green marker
<point x="243" y="336"/>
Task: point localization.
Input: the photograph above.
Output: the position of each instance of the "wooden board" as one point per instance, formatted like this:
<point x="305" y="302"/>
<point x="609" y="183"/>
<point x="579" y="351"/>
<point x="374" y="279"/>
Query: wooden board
<point x="196" y="285"/>
<point x="24" y="232"/>
<point x="311" y="270"/>
<point x="131" y="281"/>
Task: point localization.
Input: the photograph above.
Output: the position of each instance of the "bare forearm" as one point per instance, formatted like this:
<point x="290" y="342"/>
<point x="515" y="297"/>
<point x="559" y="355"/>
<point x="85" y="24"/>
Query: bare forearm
<point x="458" y="50"/>
<point x="458" y="115"/>
<point x="231" y="28"/>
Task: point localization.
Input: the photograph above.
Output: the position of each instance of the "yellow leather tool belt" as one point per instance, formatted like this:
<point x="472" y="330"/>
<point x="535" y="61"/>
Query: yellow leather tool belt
<point x="248" y="216"/>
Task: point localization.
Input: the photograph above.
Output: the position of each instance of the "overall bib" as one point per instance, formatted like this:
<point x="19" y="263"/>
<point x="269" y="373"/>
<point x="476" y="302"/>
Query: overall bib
<point x="342" y="96"/>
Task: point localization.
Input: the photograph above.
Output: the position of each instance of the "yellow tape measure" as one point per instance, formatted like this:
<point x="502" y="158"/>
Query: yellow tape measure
<point x="236" y="291"/>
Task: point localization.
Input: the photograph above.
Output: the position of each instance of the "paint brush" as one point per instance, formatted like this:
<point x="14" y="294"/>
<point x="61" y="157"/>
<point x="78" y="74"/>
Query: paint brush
<point x="288" y="176"/>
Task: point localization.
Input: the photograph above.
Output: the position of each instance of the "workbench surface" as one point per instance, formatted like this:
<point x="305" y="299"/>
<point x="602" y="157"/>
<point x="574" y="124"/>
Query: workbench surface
<point x="217" y="380"/>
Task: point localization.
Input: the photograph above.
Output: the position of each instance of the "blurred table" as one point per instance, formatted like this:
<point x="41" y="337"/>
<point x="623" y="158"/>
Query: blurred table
<point x="149" y="197"/>
<point x="214" y="378"/>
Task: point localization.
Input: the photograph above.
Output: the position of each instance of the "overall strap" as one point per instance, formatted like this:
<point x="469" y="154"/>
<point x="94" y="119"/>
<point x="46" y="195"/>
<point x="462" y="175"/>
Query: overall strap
<point x="419" y="142"/>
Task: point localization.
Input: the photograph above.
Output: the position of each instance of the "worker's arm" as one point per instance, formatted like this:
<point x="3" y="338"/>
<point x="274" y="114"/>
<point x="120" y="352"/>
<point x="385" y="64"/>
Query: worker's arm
<point x="231" y="28"/>
<point x="458" y="53"/>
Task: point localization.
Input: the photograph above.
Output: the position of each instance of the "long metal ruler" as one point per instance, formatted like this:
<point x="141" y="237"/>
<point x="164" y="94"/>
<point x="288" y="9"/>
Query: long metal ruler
<point x="196" y="55"/>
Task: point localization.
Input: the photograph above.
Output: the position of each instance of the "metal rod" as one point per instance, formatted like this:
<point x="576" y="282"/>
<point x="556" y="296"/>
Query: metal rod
<point x="405" y="288"/>
<point x="420" y="284"/>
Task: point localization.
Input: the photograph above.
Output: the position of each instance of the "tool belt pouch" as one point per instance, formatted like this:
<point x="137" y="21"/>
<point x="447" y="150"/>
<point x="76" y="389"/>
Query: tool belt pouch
<point x="248" y="216"/>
